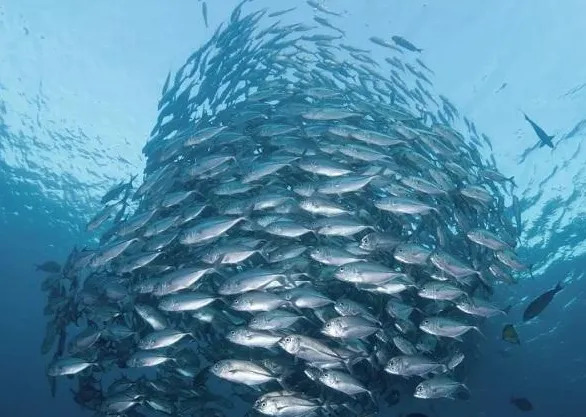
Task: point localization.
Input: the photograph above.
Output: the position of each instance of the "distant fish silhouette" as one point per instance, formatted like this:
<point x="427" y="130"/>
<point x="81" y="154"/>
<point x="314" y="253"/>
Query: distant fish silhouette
<point x="522" y="404"/>
<point x="404" y="43"/>
<point x="544" y="138"/>
<point x="50" y="266"/>
<point x="510" y="335"/>
<point x="204" y="11"/>
<point x="538" y="305"/>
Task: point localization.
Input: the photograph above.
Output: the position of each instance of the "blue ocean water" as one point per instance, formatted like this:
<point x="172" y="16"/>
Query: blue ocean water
<point x="78" y="93"/>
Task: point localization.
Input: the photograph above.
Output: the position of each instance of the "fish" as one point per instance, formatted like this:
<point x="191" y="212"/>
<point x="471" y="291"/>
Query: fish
<point x="487" y="239"/>
<point x="51" y="267"/>
<point x="382" y="42"/>
<point x="446" y="327"/>
<point x="413" y="365"/>
<point x="478" y="307"/>
<point x="318" y="6"/>
<point x="281" y="12"/>
<point x="244" y="372"/>
<point x="288" y="405"/>
<point x="536" y="306"/>
<point x="342" y="382"/>
<point x="349" y="327"/>
<point x="253" y="338"/>
<point x="401" y="205"/>
<point x="146" y="359"/>
<point x="544" y="138"/>
<point x="404" y="43"/>
<point x="68" y="366"/>
<point x="509" y="334"/>
<point x="204" y="12"/>
<point x="521" y="403"/>
<point x="160" y="339"/>
<point x="273" y="320"/>
<point x="438" y="387"/>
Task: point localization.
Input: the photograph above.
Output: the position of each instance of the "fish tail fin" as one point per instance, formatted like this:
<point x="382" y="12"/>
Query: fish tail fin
<point x="372" y="397"/>
<point x="352" y="360"/>
<point x="282" y="381"/>
<point x="52" y="385"/>
<point x="550" y="142"/>
<point x="559" y="287"/>
<point x="479" y="332"/>
<point x="446" y="362"/>
<point x="512" y="180"/>
<point x="132" y="178"/>
<point x="444" y="368"/>
<point x="296" y="309"/>
<point x="264" y="254"/>
<point x="224" y="300"/>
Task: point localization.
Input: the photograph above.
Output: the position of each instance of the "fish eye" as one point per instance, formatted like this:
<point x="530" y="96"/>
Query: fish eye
<point x="263" y="404"/>
<point x="288" y="339"/>
<point x="233" y="332"/>
<point x="342" y="269"/>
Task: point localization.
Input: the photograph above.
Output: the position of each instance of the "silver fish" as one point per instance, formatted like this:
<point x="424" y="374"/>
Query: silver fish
<point x="446" y="327"/>
<point x="438" y="387"/>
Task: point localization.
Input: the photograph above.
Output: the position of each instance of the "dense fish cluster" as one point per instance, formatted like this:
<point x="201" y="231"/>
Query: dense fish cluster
<point x="311" y="236"/>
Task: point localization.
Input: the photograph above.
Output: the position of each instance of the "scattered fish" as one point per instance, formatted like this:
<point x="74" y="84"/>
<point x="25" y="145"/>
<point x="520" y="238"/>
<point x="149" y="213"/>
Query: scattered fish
<point x="509" y="334"/>
<point x="204" y="12"/>
<point x="544" y="138"/>
<point x="404" y="43"/>
<point x="536" y="306"/>
<point x="522" y="404"/>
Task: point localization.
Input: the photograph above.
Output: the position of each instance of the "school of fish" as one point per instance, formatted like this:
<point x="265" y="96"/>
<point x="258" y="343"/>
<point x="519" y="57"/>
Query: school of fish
<point x="312" y="231"/>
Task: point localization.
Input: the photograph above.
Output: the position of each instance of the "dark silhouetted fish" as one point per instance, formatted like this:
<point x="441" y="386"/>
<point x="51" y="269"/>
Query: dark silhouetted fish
<point x="49" y="266"/>
<point x="538" y="305"/>
<point x="522" y="404"/>
<point x="510" y="335"/>
<point x="204" y="12"/>
<point x="544" y="138"/>
<point x="404" y="43"/>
